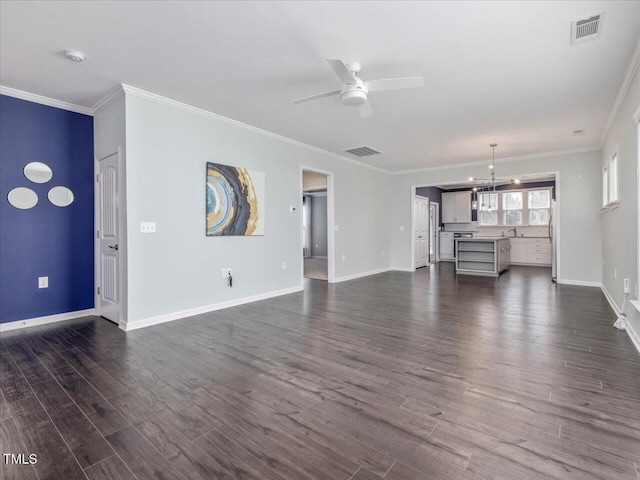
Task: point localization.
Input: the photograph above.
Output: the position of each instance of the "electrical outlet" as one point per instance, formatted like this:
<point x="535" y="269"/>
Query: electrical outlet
<point x="382" y="253"/>
<point x="316" y="245"/>
<point x="226" y="272"/>
<point x="284" y="265"/>
<point x="344" y="257"/>
<point x="402" y="229"/>
<point x="147" y="227"/>
<point x="625" y="286"/>
<point x="615" y="273"/>
<point x="43" y="282"/>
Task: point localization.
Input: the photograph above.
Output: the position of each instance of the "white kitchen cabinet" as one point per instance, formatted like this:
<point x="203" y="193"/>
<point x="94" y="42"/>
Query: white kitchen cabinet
<point x="446" y="245"/>
<point x="456" y="207"/>
<point x="530" y="251"/>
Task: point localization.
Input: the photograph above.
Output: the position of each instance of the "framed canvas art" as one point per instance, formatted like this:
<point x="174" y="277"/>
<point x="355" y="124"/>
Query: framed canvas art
<point x="235" y="201"/>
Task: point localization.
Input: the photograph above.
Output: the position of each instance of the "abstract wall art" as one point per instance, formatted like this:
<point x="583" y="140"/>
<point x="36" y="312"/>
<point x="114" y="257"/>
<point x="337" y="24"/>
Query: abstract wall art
<point x="235" y="201"/>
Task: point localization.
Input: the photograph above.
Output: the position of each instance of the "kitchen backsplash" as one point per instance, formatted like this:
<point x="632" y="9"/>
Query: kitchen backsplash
<point x="496" y="231"/>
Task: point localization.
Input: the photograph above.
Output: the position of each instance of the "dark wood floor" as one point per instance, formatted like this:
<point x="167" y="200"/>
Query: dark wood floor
<point x="397" y="376"/>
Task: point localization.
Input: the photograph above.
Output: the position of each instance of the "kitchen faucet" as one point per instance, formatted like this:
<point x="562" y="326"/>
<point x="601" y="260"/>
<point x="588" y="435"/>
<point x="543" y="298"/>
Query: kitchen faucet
<point x="515" y="232"/>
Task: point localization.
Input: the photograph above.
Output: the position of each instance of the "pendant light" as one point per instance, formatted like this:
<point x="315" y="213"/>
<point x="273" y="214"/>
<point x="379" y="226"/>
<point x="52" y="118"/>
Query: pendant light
<point x="490" y="182"/>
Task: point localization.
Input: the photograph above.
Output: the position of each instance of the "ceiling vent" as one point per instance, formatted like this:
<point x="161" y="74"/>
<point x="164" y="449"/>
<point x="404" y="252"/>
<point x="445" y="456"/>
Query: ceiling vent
<point x="586" y="29"/>
<point x="363" y="151"/>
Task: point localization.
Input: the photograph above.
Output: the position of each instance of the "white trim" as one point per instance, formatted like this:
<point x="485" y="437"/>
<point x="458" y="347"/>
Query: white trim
<point x="111" y="97"/>
<point x="581" y="283"/>
<point x="402" y="269"/>
<point x="42" y="100"/>
<point x="34" y="322"/>
<point x="612" y="302"/>
<point x="136" y="92"/>
<point x="362" y="274"/>
<point x="168" y="317"/>
<point x="622" y="93"/>
<point x="571" y="151"/>
<point x="633" y="335"/>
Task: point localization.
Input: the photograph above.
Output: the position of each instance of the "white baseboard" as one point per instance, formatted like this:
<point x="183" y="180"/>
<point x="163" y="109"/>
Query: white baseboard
<point x="361" y="274"/>
<point x="168" y="317"/>
<point x="403" y="269"/>
<point x="34" y="322"/>
<point x="633" y="335"/>
<point x="610" y="299"/>
<point x="580" y="283"/>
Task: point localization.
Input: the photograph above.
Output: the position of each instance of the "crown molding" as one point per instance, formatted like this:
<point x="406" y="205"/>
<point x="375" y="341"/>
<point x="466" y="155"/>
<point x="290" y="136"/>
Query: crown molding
<point x="137" y="92"/>
<point x="42" y="100"/>
<point x="624" y="89"/>
<point x="107" y="100"/>
<point x="556" y="153"/>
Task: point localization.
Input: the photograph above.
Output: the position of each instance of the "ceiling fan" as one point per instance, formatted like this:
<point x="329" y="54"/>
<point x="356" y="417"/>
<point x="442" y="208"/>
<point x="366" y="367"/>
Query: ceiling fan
<point x="355" y="91"/>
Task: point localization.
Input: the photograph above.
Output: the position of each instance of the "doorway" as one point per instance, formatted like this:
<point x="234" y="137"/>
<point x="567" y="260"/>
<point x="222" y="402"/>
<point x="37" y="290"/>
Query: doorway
<point x="434" y="222"/>
<point x="421" y="231"/>
<point x="108" y="239"/>
<point x="317" y="217"/>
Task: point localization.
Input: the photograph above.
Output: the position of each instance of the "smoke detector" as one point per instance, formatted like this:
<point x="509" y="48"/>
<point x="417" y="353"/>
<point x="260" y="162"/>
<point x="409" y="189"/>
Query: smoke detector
<point x="586" y="28"/>
<point x="579" y="131"/>
<point x="74" y="55"/>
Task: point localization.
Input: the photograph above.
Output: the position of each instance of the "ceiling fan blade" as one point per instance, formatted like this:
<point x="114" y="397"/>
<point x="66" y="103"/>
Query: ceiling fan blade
<point x="365" y="110"/>
<point x="316" y="97"/>
<point x="342" y="71"/>
<point x="394" y="84"/>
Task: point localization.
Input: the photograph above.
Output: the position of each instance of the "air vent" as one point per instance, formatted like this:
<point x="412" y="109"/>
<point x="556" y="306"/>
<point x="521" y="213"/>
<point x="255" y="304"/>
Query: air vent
<point x="363" y="151"/>
<point x="586" y="29"/>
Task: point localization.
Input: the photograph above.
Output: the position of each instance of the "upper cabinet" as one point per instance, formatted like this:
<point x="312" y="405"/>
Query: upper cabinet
<point x="456" y="207"/>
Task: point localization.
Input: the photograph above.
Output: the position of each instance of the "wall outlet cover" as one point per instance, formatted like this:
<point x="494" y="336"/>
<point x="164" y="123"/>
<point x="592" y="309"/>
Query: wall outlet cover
<point x="147" y="227"/>
<point x="43" y="282"/>
<point x="226" y="272"/>
<point x="626" y="286"/>
<point x="402" y="229"/>
<point x="284" y="265"/>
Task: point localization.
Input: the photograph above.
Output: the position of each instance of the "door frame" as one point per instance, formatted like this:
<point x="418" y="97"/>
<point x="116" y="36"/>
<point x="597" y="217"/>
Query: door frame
<point x="97" y="272"/>
<point x="558" y="208"/>
<point x="413" y="227"/>
<point x="436" y="249"/>
<point x="331" y="260"/>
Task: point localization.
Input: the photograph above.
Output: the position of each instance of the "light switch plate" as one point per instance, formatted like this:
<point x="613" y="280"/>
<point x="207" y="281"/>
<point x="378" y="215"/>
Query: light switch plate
<point x="147" y="227"/>
<point x="43" y="282"/>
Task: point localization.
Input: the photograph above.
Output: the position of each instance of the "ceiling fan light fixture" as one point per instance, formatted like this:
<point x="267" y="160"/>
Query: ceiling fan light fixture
<point x="353" y="95"/>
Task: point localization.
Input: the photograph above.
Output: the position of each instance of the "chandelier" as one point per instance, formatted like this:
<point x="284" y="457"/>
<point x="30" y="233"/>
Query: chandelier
<point x="488" y="185"/>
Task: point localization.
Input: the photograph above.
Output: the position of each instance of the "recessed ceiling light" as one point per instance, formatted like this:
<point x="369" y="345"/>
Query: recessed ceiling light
<point x="74" y="55"/>
<point x="579" y="132"/>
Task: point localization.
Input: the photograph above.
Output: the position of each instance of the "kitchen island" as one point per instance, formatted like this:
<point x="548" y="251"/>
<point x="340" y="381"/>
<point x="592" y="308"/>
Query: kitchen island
<point x="485" y="256"/>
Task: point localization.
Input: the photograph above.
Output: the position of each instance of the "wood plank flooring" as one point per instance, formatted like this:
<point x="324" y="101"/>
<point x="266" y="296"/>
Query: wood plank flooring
<point x="396" y="376"/>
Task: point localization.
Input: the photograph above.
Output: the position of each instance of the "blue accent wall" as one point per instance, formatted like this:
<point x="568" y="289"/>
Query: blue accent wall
<point x="45" y="240"/>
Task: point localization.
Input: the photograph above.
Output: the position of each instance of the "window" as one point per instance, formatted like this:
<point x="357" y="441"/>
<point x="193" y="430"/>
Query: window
<point x="512" y="208"/>
<point x="605" y="186"/>
<point x="613" y="178"/>
<point x="539" y="203"/>
<point x="610" y="181"/>
<point x="515" y="207"/>
<point x="488" y="209"/>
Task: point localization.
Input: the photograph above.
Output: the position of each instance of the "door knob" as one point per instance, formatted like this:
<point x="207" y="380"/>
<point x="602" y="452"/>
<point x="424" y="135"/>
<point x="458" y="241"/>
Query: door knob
<point x="114" y="247"/>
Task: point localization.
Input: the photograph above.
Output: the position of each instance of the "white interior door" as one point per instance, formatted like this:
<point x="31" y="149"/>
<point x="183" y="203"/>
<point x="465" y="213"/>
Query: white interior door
<point x="421" y="231"/>
<point x="108" y="236"/>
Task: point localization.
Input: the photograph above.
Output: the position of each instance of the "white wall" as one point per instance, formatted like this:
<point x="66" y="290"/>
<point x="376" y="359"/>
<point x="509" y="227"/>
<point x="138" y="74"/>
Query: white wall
<point x="178" y="268"/>
<point x="578" y="195"/>
<point x="620" y="225"/>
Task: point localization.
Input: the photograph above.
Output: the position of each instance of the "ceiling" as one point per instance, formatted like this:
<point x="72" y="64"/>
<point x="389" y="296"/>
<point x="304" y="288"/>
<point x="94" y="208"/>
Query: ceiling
<point x="493" y="71"/>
